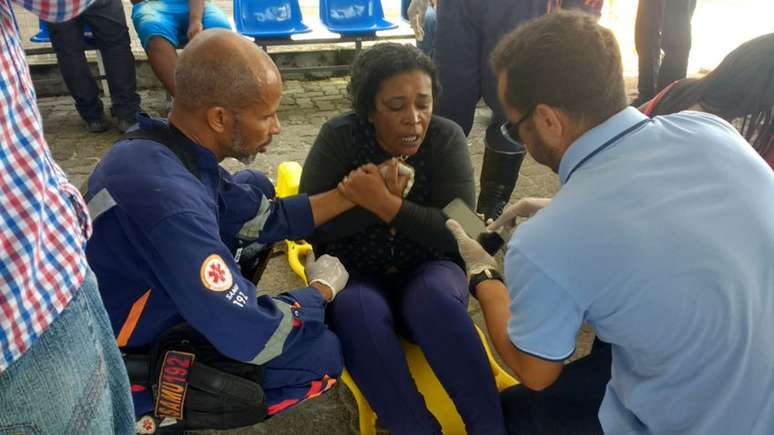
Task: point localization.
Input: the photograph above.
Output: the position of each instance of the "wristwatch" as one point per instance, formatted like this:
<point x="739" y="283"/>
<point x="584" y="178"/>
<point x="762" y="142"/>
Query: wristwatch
<point x="478" y="278"/>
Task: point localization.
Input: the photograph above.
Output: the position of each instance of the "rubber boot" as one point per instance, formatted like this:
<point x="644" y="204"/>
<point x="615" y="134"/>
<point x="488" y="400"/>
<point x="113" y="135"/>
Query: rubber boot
<point x="499" y="173"/>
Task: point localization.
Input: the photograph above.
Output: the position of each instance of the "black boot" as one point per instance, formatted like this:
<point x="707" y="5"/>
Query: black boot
<point x="499" y="173"/>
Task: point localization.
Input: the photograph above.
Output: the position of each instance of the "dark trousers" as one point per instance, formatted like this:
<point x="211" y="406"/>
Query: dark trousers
<point x="466" y="34"/>
<point x="108" y="23"/>
<point x="662" y="25"/>
<point x="429" y="308"/>
<point x="569" y="406"/>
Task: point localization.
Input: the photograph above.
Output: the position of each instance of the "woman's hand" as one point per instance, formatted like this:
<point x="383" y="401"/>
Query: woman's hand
<point x="395" y="182"/>
<point x="366" y="188"/>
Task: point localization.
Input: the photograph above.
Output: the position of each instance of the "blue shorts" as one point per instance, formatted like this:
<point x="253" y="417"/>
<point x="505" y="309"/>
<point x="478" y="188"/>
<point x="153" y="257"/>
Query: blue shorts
<point x="169" y="20"/>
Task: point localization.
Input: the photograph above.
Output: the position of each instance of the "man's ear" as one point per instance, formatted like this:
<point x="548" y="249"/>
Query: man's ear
<point x="548" y="120"/>
<point x="218" y="118"/>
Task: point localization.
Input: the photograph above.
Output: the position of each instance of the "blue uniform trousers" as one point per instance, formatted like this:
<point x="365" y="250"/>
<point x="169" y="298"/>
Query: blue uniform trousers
<point x="466" y="34"/>
<point x="428" y="307"/>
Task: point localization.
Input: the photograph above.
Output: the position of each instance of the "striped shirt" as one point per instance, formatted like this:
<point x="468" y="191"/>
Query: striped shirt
<point x="43" y="220"/>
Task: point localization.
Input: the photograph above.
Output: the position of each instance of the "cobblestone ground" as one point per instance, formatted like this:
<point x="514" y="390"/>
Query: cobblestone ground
<point x="305" y="106"/>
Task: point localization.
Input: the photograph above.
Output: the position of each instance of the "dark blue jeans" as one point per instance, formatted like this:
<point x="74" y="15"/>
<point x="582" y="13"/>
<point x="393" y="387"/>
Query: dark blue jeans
<point x="466" y="34"/>
<point x="429" y="308"/>
<point x="426" y="44"/>
<point x="108" y="23"/>
<point x="569" y="406"/>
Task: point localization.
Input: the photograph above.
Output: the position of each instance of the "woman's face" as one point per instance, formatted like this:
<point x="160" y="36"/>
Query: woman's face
<point x="402" y="112"/>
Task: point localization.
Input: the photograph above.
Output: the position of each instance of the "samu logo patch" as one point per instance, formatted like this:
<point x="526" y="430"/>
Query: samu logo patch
<point x="173" y="384"/>
<point x="215" y="274"/>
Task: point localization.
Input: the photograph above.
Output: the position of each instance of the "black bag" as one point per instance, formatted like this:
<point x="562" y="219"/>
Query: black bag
<point x="197" y="385"/>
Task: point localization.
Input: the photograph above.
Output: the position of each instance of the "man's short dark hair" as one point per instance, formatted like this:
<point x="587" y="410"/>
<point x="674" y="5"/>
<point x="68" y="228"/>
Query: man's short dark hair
<point x="380" y="63"/>
<point x="565" y="60"/>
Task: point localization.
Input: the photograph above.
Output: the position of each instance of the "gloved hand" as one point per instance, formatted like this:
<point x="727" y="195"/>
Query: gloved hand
<point x="416" y="15"/>
<point x="326" y="270"/>
<point x="524" y="208"/>
<point x="475" y="257"/>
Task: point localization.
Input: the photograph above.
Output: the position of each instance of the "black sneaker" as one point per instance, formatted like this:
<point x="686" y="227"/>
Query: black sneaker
<point x="125" y="124"/>
<point x="96" y="125"/>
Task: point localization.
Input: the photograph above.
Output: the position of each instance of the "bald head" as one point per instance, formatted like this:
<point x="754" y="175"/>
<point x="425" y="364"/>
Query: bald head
<point x="221" y="68"/>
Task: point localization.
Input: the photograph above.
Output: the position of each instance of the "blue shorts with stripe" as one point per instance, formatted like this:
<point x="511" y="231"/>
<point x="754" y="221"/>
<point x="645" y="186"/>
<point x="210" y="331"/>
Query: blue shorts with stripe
<point x="169" y="19"/>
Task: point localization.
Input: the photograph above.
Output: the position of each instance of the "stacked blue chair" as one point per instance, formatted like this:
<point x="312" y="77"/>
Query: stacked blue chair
<point x="354" y="17"/>
<point x="265" y="19"/>
<point x="42" y="35"/>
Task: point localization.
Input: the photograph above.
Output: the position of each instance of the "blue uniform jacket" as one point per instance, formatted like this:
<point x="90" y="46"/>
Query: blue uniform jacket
<point x="163" y="244"/>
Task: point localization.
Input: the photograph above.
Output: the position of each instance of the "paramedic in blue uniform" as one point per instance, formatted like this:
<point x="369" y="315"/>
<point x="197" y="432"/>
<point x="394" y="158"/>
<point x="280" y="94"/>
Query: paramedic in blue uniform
<point x="166" y="232"/>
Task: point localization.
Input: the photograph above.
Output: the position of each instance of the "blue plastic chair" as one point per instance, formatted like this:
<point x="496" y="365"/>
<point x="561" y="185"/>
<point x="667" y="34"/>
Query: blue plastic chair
<point x="265" y="19"/>
<point x="354" y="17"/>
<point x="42" y="35"/>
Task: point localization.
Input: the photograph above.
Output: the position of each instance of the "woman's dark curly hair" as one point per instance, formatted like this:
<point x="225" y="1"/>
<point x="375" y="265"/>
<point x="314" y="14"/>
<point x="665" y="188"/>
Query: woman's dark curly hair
<point x="379" y="63"/>
<point x="741" y="88"/>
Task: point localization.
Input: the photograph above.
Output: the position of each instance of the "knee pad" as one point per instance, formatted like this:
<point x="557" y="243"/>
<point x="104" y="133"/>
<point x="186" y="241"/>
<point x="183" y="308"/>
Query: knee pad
<point x="256" y="179"/>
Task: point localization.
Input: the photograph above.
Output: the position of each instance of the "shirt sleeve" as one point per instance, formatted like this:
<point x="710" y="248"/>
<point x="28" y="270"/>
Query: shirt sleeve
<point x="250" y="211"/>
<point x="279" y="219"/>
<point x="452" y="178"/>
<point x="200" y="275"/>
<point x="55" y="10"/>
<point x="544" y="318"/>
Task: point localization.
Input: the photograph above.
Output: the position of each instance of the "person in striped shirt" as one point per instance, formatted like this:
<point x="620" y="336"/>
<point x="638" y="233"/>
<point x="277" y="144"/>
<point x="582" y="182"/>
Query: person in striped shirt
<point x="60" y="369"/>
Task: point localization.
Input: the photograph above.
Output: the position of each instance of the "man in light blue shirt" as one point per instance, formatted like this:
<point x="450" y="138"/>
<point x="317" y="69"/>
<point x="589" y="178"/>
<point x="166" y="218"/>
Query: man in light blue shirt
<point x="661" y="237"/>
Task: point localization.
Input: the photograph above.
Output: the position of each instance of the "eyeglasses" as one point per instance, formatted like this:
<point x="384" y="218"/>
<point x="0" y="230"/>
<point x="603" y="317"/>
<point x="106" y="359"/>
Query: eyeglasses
<point x="511" y="129"/>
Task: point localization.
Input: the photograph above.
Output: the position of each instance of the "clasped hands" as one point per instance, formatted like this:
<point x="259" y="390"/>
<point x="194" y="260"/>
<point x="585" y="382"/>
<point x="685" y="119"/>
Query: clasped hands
<point x="367" y="188"/>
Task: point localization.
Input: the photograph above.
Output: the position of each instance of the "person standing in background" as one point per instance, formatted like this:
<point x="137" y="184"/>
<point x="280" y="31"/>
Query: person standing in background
<point x="422" y="18"/>
<point x="111" y="35"/>
<point x="466" y="34"/>
<point x="662" y="26"/>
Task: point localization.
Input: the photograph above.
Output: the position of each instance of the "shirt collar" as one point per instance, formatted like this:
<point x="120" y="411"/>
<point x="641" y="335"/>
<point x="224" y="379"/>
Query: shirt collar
<point x="597" y="137"/>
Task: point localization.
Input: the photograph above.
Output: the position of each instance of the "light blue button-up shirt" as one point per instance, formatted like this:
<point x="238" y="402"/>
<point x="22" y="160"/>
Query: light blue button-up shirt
<point x="663" y="240"/>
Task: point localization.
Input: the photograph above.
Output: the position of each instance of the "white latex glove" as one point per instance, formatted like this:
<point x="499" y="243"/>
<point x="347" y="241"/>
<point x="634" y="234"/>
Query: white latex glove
<point x="416" y="15"/>
<point x="475" y="258"/>
<point x="326" y="270"/>
<point x="523" y="208"/>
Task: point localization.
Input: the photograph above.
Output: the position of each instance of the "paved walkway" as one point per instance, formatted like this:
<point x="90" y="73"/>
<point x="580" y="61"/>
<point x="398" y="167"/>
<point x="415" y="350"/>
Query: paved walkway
<point x="305" y="106"/>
